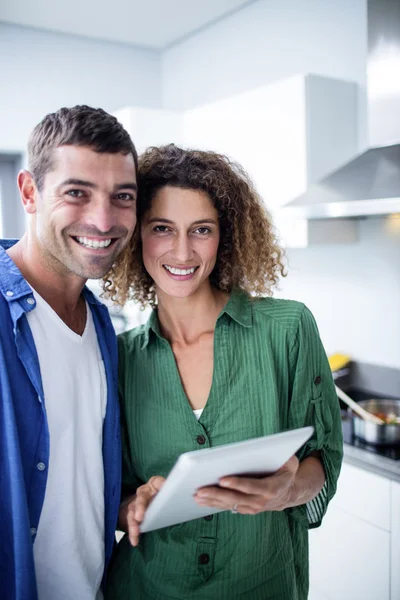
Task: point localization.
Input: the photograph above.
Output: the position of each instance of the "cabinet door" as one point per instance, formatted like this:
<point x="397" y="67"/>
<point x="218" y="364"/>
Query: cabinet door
<point x="395" y="542"/>
<point x="349" y="558"/>
<point x="364" y="495"/>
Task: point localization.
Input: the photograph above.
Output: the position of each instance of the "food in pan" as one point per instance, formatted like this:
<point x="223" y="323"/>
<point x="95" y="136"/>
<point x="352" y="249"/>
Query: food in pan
<point x="388" y="418"/>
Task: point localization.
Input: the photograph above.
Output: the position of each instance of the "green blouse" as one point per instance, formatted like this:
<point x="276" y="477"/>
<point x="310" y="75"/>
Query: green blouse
<point x="270" y="374"/>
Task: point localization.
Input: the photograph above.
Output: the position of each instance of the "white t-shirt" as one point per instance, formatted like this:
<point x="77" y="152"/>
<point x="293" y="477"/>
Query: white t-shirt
<point x="197" y="412"/>
<point x="69" y="545"/>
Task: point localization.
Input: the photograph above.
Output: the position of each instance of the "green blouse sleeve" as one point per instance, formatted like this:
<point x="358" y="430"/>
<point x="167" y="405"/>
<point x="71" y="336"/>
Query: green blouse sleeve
<point x="313" y="401"/>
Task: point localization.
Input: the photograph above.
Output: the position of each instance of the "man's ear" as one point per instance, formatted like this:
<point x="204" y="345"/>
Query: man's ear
<point x="28" y="191"/>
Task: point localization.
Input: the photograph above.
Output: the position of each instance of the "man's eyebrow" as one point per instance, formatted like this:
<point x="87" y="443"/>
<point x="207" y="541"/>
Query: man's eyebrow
<point x="130" y="185"/>
<point x="73" y="181"/>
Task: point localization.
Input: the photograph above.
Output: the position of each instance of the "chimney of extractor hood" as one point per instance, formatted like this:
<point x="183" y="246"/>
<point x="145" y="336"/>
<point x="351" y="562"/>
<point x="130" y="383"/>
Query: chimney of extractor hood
<point x="383" y="72"/>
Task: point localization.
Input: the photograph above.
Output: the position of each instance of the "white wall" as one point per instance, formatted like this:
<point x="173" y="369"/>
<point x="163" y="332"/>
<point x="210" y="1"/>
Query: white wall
<point x="266" y="41"/>
<point x="42" y="71"/>
<point x="353" y="291"/>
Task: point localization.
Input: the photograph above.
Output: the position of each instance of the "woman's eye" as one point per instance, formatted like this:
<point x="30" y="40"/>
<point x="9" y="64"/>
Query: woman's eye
<point x="75" y="193"/>
<point x="160" y="229"/>
<point x="203" y="230"/>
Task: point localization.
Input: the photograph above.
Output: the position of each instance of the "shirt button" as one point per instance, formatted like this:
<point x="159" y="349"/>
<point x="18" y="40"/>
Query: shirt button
<point x="33" y="530"/>
<point x="30" y="301"/>
<point x="9" y="293"/>
<point x="317" y="380"/>
<point x="41" y="466"/>
<point x="208" y="518"/>
<point x="204" y="559"/>
<point x="201" y="440"/>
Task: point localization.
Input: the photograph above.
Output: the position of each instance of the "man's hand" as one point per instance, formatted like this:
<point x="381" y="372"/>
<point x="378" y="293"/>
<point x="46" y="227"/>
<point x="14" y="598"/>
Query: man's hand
<point x="131" y="511"/>
<point x="249" y="495"/>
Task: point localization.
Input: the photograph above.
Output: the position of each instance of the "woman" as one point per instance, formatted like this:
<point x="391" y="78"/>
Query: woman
<point x="217" y="363"/>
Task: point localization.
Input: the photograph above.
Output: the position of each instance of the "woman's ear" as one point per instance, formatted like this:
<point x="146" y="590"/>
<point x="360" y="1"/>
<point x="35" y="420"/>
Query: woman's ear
<point x="28" y="191"/>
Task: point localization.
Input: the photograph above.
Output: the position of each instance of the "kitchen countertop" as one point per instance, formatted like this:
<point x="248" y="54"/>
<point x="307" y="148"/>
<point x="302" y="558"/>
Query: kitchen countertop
<point x="381" y="465"/>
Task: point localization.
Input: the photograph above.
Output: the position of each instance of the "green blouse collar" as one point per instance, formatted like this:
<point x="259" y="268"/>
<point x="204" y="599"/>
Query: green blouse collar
<point x="238" y="307"/>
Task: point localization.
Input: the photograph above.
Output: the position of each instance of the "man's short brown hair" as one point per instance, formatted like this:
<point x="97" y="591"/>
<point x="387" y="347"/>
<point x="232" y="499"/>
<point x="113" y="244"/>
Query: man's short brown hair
<point x="77" y="126"/>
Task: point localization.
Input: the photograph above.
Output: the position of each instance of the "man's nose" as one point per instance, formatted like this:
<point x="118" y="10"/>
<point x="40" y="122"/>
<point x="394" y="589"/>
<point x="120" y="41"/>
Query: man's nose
<point x="102" y="216"/>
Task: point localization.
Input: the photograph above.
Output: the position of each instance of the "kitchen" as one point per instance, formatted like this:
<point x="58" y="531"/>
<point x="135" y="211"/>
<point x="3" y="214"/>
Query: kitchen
<point x="310" y="58"/>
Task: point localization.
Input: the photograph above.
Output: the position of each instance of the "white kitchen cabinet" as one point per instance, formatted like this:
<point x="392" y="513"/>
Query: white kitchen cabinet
<point x="352" y="551"/>
<point x="287" y="134"/>
<point x="364" y="495"/>
<point x="395" y="542"/>
<point x="350" y="558"/>
<point x="151" y="126"/>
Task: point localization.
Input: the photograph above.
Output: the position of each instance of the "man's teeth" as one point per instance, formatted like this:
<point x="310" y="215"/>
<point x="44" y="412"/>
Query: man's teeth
<point x="175" y="271"/>
<point x="93" y="243"/>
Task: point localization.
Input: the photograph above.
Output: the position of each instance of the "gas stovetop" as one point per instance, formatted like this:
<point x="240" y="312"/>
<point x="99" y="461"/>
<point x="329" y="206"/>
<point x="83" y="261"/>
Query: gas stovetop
<point x="392" y="452"/>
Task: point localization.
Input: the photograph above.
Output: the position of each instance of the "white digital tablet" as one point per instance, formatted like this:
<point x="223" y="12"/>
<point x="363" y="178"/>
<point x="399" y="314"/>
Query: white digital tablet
<point x="259" y="456"/>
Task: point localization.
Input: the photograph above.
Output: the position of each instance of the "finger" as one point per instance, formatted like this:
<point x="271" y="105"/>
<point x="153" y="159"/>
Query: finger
<point x="133" y="529"/>
<point x="143" y="499"/>
<point x="225" y="499"/>
<point x="157" y="482"/>
<point x="244" y="504"/>
<point x="248" y="485"/>
<point x="145" y="494"/>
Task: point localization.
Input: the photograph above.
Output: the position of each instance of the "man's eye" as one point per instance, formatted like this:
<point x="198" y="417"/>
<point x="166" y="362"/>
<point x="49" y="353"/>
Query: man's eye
<point x="125" y="197"/>
<point x="75" y="193"/>
<point x="160" y="228"/>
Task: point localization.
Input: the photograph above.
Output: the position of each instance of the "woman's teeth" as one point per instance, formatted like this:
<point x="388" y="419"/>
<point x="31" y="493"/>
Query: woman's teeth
<point x="88" y="243"/>
<point x="175" y="271"/>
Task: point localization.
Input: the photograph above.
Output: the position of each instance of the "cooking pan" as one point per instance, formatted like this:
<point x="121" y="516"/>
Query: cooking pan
<point x="374" y="433"/>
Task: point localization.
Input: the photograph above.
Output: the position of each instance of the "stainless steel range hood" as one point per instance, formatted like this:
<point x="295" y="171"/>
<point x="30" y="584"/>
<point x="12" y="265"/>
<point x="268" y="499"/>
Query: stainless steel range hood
<point x="370" y="183"/>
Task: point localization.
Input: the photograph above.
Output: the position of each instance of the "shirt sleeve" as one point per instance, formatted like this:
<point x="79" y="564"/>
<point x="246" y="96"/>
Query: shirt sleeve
<point x="313" y="401"/>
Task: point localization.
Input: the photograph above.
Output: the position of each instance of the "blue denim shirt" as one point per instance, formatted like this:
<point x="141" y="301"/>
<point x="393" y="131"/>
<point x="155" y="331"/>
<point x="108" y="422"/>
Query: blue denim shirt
<point x="24" y="433"/>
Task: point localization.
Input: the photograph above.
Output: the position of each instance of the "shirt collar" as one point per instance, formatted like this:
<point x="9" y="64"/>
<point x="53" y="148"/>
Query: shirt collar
<point x="238" y="308"/>
<point x="12" y="283"/>
<point x="152" y="324"/>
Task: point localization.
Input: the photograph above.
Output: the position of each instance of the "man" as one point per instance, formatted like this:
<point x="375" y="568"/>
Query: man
<point x="59" y="420"/>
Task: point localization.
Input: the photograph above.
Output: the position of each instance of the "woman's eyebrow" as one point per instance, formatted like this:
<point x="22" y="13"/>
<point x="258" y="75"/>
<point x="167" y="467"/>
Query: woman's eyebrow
<point x="197" y="222"/>
<point x="159" y="220"/>
<point x="213" y="221"/>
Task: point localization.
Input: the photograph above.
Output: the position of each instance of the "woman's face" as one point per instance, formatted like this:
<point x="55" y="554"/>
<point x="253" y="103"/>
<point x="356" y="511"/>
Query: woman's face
<point x="180" y="237"/>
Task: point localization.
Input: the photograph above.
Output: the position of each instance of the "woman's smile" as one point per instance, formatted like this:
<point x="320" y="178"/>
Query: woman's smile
<point x="179" y="273"/>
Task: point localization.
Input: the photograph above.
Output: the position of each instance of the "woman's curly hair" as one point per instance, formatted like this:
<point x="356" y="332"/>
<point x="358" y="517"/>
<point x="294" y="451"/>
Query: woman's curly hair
<point x="249" y="257"/>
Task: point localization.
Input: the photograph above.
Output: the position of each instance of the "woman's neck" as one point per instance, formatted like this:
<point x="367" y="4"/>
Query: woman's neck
<point x="184" y="320"/>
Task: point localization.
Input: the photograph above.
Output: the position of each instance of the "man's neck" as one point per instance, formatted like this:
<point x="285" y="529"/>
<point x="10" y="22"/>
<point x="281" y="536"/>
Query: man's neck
<point x="61" y="292"/>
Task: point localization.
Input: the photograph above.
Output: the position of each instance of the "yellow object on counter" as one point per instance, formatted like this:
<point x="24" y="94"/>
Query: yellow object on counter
<point x="338" y="361"/>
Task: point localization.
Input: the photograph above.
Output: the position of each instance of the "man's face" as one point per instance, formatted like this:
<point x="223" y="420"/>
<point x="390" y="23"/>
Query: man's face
<point x="85" y="212"/>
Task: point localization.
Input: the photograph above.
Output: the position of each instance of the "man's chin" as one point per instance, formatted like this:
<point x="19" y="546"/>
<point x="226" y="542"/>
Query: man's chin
<point x="92" y="271"/>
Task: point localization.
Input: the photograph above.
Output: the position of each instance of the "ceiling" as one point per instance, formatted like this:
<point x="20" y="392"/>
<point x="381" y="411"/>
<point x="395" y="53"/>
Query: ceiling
<point x="150" y="23"/>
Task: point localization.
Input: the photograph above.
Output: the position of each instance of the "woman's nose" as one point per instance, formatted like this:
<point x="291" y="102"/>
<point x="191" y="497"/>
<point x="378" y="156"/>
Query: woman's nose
<point x="182" y="250"/>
